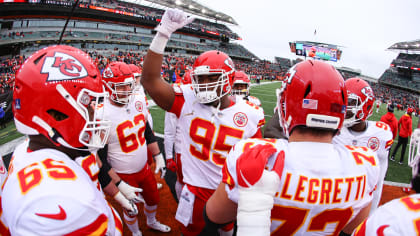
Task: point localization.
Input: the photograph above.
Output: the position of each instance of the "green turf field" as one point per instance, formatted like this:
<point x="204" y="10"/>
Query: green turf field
<point x="266" y="93"/>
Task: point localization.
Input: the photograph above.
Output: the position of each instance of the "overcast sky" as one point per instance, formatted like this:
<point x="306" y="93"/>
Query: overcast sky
<point x="364" y="28"/>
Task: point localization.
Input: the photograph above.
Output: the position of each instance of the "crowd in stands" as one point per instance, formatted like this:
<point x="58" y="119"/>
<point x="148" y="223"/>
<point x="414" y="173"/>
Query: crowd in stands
<point x="8" y="68"/>
<point x="393" y="78"/>
<point x="172" y="64"/>
<point x="180" y="63"/>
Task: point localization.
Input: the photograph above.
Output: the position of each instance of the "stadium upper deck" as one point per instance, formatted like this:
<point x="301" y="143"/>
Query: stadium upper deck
<point x="105" y="24"/>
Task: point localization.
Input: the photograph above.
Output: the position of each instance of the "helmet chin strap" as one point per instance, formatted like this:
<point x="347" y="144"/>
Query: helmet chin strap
<point x="215" y="111"/>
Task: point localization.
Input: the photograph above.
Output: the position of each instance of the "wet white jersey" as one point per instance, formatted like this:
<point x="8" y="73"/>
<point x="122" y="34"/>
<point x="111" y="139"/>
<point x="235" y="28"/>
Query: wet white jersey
<point x="397" y="217"/>
<point x="127" y="148"/>
<point x="208" y="134"/>
<point x="377" y="137"/>
<point x="322" y="186"/>
<point x="90" y="165"/>
<point x="139" y="91"/>
<point x="47" y="193"/>
<point x="254" y="100"/>
<point x="172" y="135"/>
<point x="3" y="175"/>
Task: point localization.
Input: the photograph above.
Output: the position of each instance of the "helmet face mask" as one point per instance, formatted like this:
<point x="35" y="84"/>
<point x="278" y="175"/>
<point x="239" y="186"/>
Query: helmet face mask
<point x="240" y="89"/>
<point x="96" y="130"/>
<point x="360" y="101"/>
<point x="121" y="92"/>
<point x="119" y="81"/>
<point x="211" y="77"/>
<point x="241" y="84"/>
<point x="211" y="89"/>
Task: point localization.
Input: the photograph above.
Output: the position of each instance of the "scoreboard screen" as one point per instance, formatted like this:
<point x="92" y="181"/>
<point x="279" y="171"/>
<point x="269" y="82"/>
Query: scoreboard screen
<point x="315" y="51"/>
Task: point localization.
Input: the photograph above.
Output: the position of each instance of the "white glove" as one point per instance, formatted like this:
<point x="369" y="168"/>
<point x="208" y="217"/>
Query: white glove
<point x="130" y="192"/>
<point x="255" y="204"/>
<point x="160" y="165"/>
<point x="128" y="205"/>
<point x="256" y="188"/>
<point x="172" y="20"/>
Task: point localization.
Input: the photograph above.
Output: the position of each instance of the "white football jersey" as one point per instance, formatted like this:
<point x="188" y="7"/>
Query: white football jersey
<point x="172" y="135"/>
<point x="47" y="193"/>
<point x="139" y="91"/>
<point x="127" y="148"/>
<point x="377" y="137"/>
<point x="395" y="218"/>
<point x="90" y="165"/>
<point x="322" y="186"/>
<point x="254" y="100"/>
<point x="208" y="134"/>
<point x="3" y="175"/>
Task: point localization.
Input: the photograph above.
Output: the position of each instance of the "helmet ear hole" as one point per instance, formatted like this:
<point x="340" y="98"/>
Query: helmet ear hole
<point x="58" y="116"/>
<point x="307" y="91"/>
<point x="39" y="58"/>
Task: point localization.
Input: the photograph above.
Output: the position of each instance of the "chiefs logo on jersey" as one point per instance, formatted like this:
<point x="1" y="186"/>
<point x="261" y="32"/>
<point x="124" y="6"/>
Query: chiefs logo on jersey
<point x="139" y="106"/>
<point x="63" y="67"/>
<point x="373" y="143"/>
<point x="240" y="119"/>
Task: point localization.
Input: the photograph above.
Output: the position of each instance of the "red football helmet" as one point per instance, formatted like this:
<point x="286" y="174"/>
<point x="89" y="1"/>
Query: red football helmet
<point x="313" y="95"/>
<point x="360" y="101"/>
<point x="135" y="69"/>
<point x="240" y="80"/>
<point x="212" y="63"/>
<point x="119" y="81"/>
<point x="57" y="93"/>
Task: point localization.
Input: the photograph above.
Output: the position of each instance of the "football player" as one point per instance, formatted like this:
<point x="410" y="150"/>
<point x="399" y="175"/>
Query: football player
<point x="241" y="85"/>
<point x="303" y="185"/>
<point x="4" y="230"/>
<point x="210" y="122"/>
<point x="358" y="131"/>
<point x="47" y="192"/>
<point x="173" y="141"/>
<point x="153" y="148"/>
<point x="399" y="216"/>
<point x="128" y="142"/>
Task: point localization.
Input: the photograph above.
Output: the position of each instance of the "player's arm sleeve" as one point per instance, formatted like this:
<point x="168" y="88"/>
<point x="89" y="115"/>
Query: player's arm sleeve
<point x="178" y="102"/>
<point x="103" y="176"/>
<point x="272" y="128"/>
<point x="149" y="135"/>
<point x="169" y="132"/>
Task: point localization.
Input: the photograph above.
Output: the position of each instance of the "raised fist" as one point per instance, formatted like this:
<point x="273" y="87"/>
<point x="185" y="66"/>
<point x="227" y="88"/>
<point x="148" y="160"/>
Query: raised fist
<point x="172" y="20"/>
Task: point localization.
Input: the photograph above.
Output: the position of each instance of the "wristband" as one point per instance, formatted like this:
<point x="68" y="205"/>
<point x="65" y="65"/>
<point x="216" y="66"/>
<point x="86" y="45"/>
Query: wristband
<point x="159" y="43"/>
<point x="157" y="154"/>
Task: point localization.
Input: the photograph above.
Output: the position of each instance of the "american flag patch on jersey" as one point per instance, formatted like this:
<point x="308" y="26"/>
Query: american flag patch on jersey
<point x="310" y="104"/>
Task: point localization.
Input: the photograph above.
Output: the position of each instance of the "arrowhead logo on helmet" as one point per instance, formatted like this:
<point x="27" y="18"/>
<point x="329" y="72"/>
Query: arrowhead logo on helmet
<point x="63" y="67"/>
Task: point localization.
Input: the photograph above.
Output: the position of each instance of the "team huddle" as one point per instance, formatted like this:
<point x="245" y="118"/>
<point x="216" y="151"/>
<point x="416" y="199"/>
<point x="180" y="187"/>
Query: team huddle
<point x="90" y="135"/>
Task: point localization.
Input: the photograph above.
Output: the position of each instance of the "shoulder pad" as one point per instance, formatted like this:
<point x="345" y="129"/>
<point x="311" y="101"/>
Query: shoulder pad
<point x="177" y="88"/>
